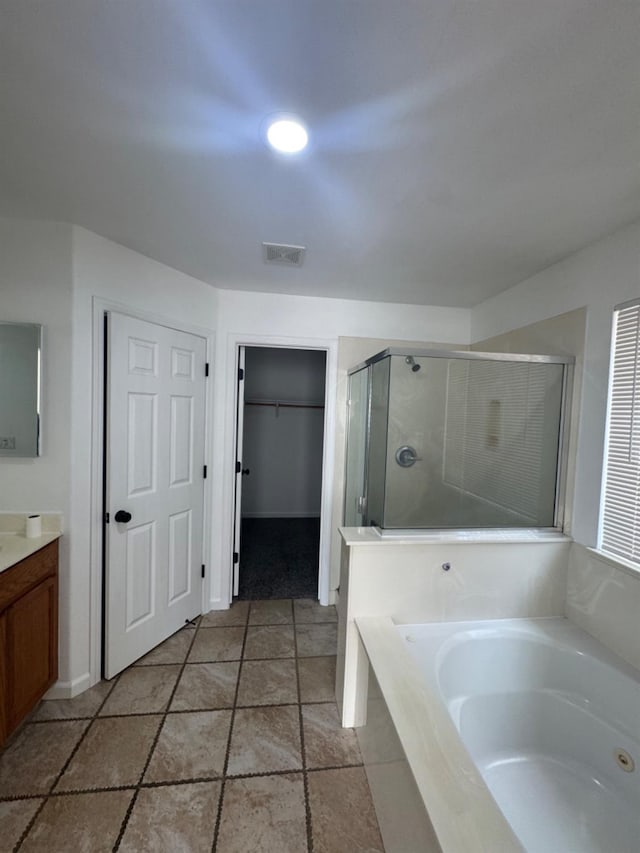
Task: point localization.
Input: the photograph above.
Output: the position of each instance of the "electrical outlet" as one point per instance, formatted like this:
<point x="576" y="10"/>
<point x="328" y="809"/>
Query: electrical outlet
<point x="7" y="442"/>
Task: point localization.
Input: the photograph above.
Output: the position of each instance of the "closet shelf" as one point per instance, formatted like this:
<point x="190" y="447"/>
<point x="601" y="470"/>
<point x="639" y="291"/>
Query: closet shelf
<point x="284" y="404"/>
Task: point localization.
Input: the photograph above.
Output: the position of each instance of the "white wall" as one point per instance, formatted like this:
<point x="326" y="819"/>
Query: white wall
<point x="598" y="277"/>
<point x="58" y="275"/>
<point x="50" y="273"/>
<point x="283" y="452"/>
<point x="103" y="270"/>
<point x="602" y="595"/>
<point x="284" y="374"/>
<point x="36" y="287"/>
<point x="282" y="446"/>
<point x="313" y="317"/>
<point x="304" y="322"/>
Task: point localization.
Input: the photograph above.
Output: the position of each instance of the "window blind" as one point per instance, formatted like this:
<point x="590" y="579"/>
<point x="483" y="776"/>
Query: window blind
<point x="620" y="511"/>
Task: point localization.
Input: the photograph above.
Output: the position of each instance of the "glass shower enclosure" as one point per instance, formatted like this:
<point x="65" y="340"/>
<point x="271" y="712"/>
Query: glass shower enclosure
<point x="445" y="439"/>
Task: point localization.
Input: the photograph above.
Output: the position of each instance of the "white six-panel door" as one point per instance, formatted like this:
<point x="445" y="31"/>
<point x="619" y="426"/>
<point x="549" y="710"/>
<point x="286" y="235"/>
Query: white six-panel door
<point x="155" y="473"/>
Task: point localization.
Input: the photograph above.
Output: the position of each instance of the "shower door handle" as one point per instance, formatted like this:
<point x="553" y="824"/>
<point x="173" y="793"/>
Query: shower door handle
<point x="406" y="456"/>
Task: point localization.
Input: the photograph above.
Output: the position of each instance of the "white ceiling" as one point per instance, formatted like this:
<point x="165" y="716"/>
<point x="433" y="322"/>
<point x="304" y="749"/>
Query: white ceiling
<point x="458" y="146"/>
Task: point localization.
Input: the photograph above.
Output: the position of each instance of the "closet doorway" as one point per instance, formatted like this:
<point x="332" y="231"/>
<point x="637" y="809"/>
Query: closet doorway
<point x="281" y="401"/>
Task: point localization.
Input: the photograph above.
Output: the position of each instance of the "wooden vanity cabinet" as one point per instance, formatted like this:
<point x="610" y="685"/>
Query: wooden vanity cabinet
<point x="28" y="635"/>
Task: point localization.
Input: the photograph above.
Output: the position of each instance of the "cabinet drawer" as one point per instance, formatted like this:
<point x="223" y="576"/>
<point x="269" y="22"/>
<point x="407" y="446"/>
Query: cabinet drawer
<point x="28" y="573"/>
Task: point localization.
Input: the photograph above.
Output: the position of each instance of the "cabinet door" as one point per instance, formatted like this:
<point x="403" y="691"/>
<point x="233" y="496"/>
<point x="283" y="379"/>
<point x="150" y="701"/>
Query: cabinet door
<point x="32" y="649"/>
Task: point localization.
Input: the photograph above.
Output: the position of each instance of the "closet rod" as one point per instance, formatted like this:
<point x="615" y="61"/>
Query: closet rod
<point x="277" y="405"/>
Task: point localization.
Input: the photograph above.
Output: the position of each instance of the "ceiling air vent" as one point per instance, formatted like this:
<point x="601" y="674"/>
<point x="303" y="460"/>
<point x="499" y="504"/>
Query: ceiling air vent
<point x="279" y="253"/>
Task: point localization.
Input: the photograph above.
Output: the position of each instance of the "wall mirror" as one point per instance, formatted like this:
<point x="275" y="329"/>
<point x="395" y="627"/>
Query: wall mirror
<point x="20" y="375"/>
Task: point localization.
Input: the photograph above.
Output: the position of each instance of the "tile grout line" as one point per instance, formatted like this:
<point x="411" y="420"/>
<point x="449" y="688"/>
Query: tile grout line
<point x="216" y="830"/>
<point x="165" y="783"/>
<point x="50" y="792"/>
<point x="134" y="798"/>
<point x="204" y="709"/>
<point x="141" y="784"/>
<point x="305" y="778"/>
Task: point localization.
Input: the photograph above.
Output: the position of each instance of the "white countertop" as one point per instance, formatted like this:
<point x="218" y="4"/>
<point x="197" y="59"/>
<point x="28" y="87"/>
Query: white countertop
<point x="15" y="547"/>
<point x="373" y="536"/>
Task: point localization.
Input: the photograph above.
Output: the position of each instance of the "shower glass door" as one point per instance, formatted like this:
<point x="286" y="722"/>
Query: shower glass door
<point x="460" y="440"/>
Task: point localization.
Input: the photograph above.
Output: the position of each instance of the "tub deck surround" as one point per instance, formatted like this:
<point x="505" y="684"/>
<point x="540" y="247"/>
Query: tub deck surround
<point x="603" y="598"/>
<point x="457" y="803"/>
<point x="548" y="715"/>
<point x="472" y="536"/>
<point x="495" y="579"/>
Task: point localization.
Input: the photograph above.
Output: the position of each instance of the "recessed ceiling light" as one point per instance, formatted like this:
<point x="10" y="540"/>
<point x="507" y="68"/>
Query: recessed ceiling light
<point x="287" y="135"/>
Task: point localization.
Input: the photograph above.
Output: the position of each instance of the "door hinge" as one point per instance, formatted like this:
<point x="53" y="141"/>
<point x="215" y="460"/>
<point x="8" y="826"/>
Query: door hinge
<point x="106" y="518"/>
<point x="203" y="570"/>
<point x="204" y="472"/>
<point x="235" y="557"/>
<point x="238" y="467"/>
<point x="240" y="374"/>
<point x="206" y="368"/>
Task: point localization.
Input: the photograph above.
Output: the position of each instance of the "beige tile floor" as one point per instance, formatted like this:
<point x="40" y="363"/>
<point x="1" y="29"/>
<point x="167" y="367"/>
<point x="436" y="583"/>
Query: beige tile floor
<point x="224" y="738"/>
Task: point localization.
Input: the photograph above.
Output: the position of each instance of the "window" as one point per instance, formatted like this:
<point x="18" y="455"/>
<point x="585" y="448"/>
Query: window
<point x="620" y="511"/>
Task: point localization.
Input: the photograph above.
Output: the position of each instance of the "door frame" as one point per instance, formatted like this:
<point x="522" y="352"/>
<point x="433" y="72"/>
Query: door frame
<point x="237" y="486"/>
<point x="330" y="347"/>
<point x="99" y="308"/>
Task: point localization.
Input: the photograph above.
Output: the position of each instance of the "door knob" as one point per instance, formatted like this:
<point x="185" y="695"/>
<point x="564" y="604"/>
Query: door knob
<point x="123" y="516"/>
<point x="245" y="471"/>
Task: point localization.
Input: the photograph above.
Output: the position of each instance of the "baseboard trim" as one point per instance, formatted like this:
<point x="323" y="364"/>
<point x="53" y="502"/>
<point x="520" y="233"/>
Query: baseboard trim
<point x="69" y="689"/>
<point x="216" y="604"/>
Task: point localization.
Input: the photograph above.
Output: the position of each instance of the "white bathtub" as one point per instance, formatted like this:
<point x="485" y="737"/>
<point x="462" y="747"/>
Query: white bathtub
<point x="549" y="718"/>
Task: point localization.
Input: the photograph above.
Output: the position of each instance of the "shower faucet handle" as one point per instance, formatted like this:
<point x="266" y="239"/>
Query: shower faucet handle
<point x="406" y="456"/>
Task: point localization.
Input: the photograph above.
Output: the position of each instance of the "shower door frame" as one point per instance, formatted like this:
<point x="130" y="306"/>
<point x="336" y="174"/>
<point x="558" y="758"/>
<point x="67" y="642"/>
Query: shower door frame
<point x="568" y="363"/>
<point x="365" y="473"/>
